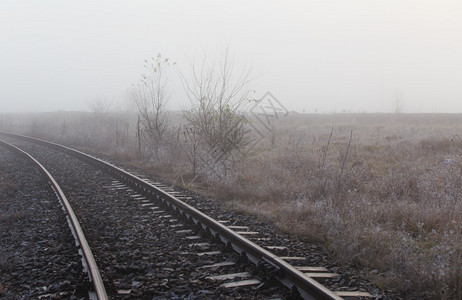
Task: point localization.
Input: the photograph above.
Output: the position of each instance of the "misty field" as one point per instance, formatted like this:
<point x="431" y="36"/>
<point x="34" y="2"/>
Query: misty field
<point x="382" y="192"/>
<point x="387" y="201"/>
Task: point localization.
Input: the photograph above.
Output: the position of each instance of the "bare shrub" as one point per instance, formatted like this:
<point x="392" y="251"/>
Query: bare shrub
<point x="151" y="96"/>
<point x="217" y="94"/>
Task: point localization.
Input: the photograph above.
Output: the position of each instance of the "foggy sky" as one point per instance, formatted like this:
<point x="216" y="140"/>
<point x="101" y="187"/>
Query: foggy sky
<point x="326" y="55"/>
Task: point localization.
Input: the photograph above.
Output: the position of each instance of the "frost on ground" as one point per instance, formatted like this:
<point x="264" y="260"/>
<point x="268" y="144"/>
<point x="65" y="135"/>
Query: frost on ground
<point x="386" y="201"/>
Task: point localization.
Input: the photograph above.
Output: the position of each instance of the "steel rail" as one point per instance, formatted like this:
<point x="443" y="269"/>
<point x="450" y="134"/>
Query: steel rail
<point x="287" y="274"/>
<point x="89" y="260"/>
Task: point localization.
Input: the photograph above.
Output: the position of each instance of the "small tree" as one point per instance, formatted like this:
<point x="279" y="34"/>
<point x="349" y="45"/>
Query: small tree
<point x="217" y="94"/>
<point x="151" y="96"/>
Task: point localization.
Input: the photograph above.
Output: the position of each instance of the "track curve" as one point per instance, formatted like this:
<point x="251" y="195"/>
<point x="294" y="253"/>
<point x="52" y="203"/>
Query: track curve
<point x="292" y="277"/>
<point x="87" y="255"/>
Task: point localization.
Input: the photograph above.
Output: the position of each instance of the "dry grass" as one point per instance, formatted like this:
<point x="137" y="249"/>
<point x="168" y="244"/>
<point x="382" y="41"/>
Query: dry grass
<point x="390" y="206"/>
<point x="397" y="209"/>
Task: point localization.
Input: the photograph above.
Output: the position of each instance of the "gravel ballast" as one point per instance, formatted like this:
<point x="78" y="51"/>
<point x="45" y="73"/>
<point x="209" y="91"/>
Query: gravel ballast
<point x="144" y="252"/>
<point x="38" y="255"/>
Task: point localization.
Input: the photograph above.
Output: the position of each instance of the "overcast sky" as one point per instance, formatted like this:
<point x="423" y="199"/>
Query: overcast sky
<point x="326" y="55"/>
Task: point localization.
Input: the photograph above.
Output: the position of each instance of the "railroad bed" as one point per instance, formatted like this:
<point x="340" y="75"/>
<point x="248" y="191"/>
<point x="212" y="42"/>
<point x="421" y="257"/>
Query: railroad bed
<point x="144" y="250"/>
<point x="38" y="256"/>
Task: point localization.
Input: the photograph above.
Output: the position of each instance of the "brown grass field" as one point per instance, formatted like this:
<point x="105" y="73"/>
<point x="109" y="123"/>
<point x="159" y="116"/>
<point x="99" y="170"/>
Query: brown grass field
<point x="387" y="201"/>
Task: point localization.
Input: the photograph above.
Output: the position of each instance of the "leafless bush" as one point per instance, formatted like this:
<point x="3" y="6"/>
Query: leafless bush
<point x="217" y="93"/>
<point x="151" y="96"/>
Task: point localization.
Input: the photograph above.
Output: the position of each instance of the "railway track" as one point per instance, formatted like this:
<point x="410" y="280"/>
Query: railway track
<point x="200" y="257"/>
<point x="49" y="246"/>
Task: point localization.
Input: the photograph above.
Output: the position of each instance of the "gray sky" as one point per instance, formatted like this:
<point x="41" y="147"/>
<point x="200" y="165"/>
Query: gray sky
<point x="328" y="55"/>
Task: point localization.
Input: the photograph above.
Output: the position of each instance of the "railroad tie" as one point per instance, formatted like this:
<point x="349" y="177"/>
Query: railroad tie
<point x="241" y="283"/>
<point x="311" y="269"/>
<point x="292" y="258"/>
<point x="238" y="227"/>
<point x="353" y="294"/>
<point x="321" y="275"/>
<point x="276" y="247"/>
<point x="184" y="231"/>
<point x="247" y="232"/>
<point x="209" y="253"/>
<point x="229" y="276"/>
<point x="218" y="265"/>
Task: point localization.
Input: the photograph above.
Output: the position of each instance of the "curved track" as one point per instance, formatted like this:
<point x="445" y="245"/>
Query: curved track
<point x="293" y="277"/>
<point x="87" y="255"/>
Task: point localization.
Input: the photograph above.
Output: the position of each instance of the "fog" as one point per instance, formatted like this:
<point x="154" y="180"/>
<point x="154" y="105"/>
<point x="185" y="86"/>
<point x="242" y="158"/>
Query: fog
<point x="314" y="56"/>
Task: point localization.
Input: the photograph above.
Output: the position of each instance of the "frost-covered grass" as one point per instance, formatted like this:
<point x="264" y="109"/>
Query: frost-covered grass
<point x="391" y="206"/>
